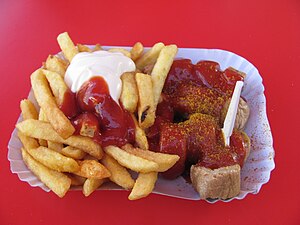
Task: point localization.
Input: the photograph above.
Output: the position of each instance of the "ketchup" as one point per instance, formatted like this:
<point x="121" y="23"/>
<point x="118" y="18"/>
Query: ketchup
<point x="107" y="122"/>
<point x="189" y="119"/>
<point x="203" y="73"/>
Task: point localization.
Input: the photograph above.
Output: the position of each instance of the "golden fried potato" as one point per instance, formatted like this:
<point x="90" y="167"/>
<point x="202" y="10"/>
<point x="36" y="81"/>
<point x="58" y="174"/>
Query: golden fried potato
<point x="44" y="130"/>
<point x="119" y="174"/>
<point x="83" y="48"/>
<point x="56" y="65"/>
<point x="97" y="48"/>
<point x="90" y="185"/>
<point x="44" y="97"/>
<point x="143" y="186"/>
<point x="28" y="142"/>
<point x="122" y="50"/>
<point x="140" y="135"/>
<point x="161" y="69"/>
<point x="92" y="169"/>
<point x="149" y="57"/>
<point x="131" y="161"/>
<point x="53" y="159"/>
<point x="58" y="182"/>
<point x="137" y="51"/>
<point x="129" y="95"/>
<point x="57" y="85"/>
<point x="164" y="161"/>
<point x="75" y="179"/>
<point x="28" y="110"/>
<point x="67" y="46"/>
<point x="74" y="153"/>
<point x="56" y="146"/>
<point x="146" y="110"/>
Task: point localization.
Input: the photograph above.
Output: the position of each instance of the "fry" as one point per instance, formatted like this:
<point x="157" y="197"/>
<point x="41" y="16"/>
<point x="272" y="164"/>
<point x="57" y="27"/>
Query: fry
<point x="67" y="46"/>
<point x="72" y="152"/>
<point x="43" y="117"/>
<point x="56" y="65"/>
<point x="140" y="135"/>
<point x="149" y="57"/>
<point x="131" y="161"/>
<point x="161" y="70"/>
<point x="122" y="50"/>
<point x="143" y="186"/>
<point x="27" y="142"/>
<point x="90" y="185"/>
<point x="137" y="51"/>
<point x="119" y="174"/>
<point x="56" y="181"/>
<point x="75" y="179"/>
<point x="97" y="47"/>
<point x="55" y="146"/>
<point x="44" y="130"/>
<point x="53" y="160"/>
<point x="164" y="161"/>
<point x="83" y="48"/>
<point x="28" y="110"/>
<point x="129" y="94"/>
<point x="146" y="110"/>
<point x="58" y="86"/>
<point x="44" y="97"/>
<point x="92" y="169"/>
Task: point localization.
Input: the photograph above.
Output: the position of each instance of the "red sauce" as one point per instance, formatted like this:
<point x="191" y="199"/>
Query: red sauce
<point x="195" y="95"/>
<point x="112" y="125"/>
<point x="203" y="73"/>
<point x="69" y="105"/>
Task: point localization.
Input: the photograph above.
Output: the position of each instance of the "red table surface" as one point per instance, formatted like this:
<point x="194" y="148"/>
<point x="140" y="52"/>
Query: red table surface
<point x="267" y="33"/>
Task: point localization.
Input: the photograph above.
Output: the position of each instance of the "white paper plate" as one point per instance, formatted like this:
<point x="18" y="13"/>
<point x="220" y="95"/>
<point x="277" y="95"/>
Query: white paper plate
<point x="260" y="163"/>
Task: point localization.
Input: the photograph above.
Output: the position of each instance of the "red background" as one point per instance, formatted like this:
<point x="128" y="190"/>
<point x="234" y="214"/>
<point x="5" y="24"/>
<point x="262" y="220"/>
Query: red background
<point x="267" y="33"/>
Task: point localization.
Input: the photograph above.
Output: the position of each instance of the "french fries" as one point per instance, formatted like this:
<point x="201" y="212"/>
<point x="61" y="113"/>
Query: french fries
<point x="164" y="161"/>
<point x="83" y="48"/>
<point x="143" y="186"/>
<point x="53" y="160"/>
<point x="27" y="142"/>
<point x="58" y="182"/>
<point x="122" y="50"/>
<point x="61" y="159"/>
<point x="42" y="117"/>
<point x="56" y="65"/>
<point x="57" y="84"/>
<point x="137" y="51"/>
<point x="73" y="153"/>
<point x="75" y="179"/>
<point x="44" y="130"/>
<point x="90" y="185"/>
<point x="67" y="46"/>
<point x="44" y="97"/>
<point x="161" y="69"/>
<point x="129" y="94"/>
<point x="146" y="110"/>
<point x="149" y="57"/>
<point x="92" y="169"/>
<point x="28" y="110"/>
<point x="119" y="174"/>
<point x="55" y="146"/>
<point x="131" y="161"/>
<point x="140" y="135"/>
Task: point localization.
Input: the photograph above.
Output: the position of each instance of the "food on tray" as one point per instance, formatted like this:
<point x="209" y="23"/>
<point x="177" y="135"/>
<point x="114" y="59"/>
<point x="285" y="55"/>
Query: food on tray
<point x="106" y="114"/>
<point x="189" y="122"/>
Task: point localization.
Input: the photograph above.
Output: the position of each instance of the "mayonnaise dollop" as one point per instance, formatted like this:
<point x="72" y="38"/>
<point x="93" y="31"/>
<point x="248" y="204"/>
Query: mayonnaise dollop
<point x="109" y="65"/>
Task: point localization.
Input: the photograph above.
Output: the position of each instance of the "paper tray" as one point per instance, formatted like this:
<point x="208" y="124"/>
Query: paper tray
<point x="256" y="170"/>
